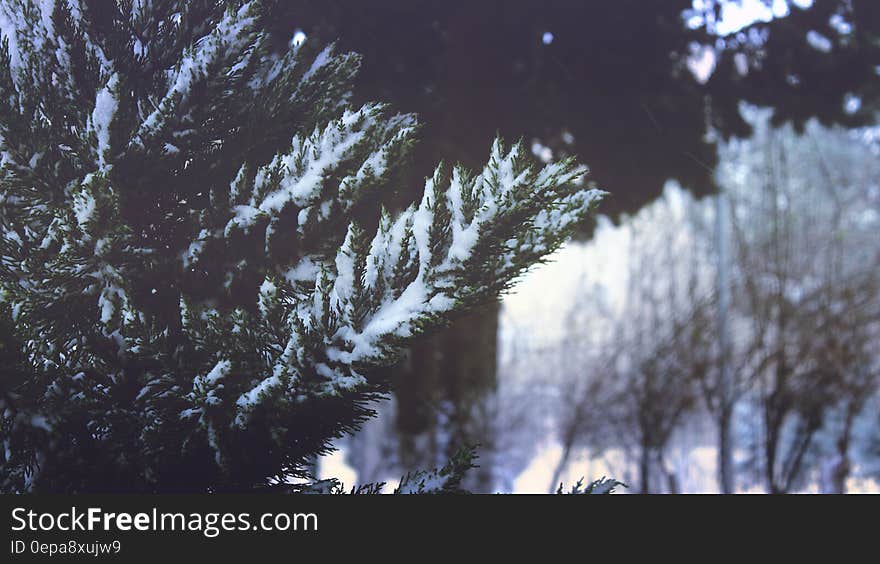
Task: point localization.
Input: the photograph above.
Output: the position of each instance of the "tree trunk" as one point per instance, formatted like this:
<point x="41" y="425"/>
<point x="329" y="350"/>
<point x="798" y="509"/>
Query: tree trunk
<point x="725" y="452"/>
<point x="645" y="470"/>
<point x="725" y="401"/>
<point x="837" y="470"/>
<point x="444" y="393"/>
<point x="561" y="465"/>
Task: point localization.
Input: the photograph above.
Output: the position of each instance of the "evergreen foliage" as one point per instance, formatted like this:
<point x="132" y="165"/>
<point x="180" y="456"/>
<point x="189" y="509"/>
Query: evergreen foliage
<point x="199" y="273"/>
<point x="597" y="487"/>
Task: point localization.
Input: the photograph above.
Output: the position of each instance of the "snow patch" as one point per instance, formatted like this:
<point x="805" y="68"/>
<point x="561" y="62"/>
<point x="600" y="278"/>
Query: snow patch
<point x="106" y="105"/>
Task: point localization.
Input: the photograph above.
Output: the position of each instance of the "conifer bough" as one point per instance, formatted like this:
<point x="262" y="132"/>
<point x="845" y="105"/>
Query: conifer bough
<point x="198" y="270"/>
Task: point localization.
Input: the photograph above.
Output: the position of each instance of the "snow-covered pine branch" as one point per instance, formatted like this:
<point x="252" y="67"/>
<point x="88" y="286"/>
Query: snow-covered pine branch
<point x="196" y="260"/>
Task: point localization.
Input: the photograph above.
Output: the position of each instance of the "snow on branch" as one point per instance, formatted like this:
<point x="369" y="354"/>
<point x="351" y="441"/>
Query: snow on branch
<point x="467" y="239"/>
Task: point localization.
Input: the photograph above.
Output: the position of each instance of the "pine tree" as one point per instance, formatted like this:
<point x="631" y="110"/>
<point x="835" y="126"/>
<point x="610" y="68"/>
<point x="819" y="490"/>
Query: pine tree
<point x="199" y="271"/>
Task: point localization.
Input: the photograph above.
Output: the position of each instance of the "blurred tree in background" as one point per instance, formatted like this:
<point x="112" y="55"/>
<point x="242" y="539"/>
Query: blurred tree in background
<point x="804" y="323"/>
